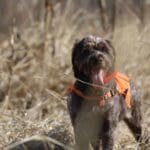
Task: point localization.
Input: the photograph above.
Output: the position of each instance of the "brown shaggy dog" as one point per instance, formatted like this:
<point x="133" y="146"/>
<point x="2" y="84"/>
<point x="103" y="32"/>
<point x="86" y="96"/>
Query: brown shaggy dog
<point x="94" y="122"/>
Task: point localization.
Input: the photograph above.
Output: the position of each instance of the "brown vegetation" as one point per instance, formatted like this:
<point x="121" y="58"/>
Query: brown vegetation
<point x="35" y="72"/>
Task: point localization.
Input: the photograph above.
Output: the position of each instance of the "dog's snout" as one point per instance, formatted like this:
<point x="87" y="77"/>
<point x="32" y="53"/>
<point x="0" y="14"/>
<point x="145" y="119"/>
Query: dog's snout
<point x="95" y="59"/>
<point x="100" y="56"/>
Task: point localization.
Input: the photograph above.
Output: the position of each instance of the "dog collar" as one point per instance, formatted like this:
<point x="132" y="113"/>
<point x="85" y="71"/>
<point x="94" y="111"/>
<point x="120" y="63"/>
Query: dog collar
<point x="122" y="86"/>
<point x="100" y="97"/>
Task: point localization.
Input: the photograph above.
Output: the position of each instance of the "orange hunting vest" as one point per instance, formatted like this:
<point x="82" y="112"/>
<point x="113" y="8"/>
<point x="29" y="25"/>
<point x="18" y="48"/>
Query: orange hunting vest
<point x="122" y="84"/>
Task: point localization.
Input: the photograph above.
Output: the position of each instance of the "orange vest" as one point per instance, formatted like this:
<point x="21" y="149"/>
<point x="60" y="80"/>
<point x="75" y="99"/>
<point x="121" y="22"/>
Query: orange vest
<point x="122" y="83"/>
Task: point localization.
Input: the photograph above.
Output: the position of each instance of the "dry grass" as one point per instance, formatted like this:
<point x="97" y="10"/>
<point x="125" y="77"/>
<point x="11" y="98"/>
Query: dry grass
<point x="33" y="82"/>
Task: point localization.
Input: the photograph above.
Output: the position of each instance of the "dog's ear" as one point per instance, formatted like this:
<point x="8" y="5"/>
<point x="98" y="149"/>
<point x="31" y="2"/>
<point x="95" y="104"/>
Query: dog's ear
<point x="75" y="52"/>
<point x="112" y="50"/>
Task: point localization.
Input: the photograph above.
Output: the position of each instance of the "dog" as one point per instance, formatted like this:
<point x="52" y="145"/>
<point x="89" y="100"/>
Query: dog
<point x="96" y="106"/>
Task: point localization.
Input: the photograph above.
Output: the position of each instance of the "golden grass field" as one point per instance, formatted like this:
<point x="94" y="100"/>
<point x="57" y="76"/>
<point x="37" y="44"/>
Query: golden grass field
<point x="34" y="79"/>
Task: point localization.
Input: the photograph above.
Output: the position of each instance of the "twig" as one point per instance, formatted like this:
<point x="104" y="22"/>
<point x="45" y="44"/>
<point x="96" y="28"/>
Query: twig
<point x="39" y="138"/>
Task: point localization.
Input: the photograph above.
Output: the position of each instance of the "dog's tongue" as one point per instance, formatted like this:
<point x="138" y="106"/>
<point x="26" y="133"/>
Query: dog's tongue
<point x="99" y="77"/>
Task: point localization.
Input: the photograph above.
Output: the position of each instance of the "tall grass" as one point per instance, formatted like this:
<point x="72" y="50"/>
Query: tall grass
<point x="33" y="80"/>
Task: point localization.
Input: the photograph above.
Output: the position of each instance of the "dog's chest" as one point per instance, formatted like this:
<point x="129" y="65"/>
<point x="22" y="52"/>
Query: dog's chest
<point x="89" y="119"/>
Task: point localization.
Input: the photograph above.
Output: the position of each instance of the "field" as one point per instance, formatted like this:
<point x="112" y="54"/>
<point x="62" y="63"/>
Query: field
<point x="35" y="73"/>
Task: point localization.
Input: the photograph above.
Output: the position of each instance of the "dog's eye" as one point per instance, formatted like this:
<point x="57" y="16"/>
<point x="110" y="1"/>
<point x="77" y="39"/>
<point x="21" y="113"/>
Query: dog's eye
<point x="102" y="47"/>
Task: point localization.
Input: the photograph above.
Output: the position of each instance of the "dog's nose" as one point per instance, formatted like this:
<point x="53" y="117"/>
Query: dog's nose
<point x="99" y="53"/>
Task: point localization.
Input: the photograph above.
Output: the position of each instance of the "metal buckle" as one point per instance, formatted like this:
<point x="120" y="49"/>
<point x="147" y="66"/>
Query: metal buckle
<point x="112" y="92"/>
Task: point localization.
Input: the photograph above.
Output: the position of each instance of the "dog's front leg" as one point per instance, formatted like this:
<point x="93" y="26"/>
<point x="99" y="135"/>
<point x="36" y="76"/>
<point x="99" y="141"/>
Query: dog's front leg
<point x="111" y="119"/>
<point x="107" y="136"/>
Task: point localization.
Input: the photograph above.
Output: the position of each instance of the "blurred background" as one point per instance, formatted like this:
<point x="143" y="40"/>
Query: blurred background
<point x="107" y="13"/>
<point x="36" y="38"/>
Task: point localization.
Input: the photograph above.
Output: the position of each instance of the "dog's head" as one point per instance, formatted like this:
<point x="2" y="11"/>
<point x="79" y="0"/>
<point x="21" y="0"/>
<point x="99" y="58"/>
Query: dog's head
<point x="93" y="58"/>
